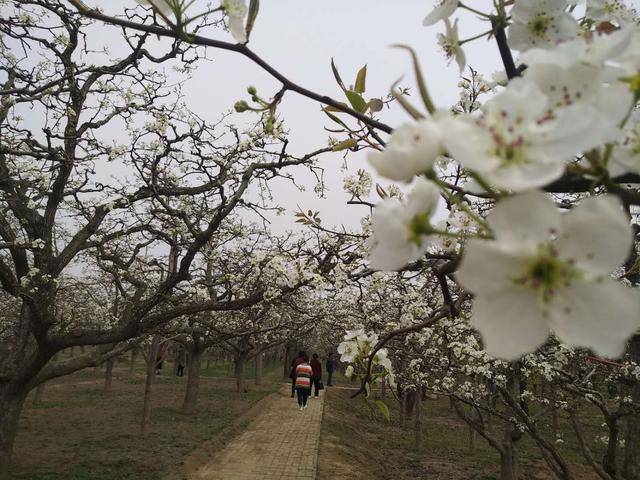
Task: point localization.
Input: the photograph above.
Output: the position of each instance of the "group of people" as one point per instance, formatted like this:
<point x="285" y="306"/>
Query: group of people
<point x="307" y="374"/>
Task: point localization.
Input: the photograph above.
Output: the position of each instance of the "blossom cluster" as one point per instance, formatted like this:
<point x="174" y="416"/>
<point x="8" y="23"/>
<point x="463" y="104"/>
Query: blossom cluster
<point x="357" y="347"/>
<point x="569" y="111"/>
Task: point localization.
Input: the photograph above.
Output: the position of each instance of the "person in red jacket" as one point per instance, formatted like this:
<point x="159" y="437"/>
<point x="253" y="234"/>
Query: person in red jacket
<point x="292" y="374"/>
<point x="316" y="377"/>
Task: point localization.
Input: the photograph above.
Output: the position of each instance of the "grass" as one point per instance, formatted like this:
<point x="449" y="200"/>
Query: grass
<point x="384" y="450"/>
<point x="81" y="432"/>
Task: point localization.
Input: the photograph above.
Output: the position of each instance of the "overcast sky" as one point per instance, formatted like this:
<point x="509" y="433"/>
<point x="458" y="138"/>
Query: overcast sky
<point x="299" y="38"/>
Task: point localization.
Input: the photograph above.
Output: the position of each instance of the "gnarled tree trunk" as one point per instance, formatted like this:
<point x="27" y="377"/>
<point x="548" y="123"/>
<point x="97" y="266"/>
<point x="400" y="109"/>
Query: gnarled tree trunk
<point x="108" y="375"/>
<point x="11" y="403"/>
<point x="148" y="386"/>
<point x="193" y="380"/>
<point x="508" y="460"/>
<point x="259" y="361"/>
<point x="240" y="361"/>
<point x="132" y="362"/>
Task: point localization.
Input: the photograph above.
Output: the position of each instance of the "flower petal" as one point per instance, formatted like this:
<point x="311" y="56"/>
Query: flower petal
<point x="510" y="321"/>
<point x="542" y="218"/>
<point x="596" y="235"/>
<point x="599" y="315"/>
<point x="488" y="266"/>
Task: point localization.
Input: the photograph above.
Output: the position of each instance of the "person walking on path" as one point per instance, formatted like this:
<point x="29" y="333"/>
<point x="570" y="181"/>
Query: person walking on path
<point x="181" y="360"/>
<point x="316" y="376"/>
<point x="292" y="375"/>
<point x="303" y="382"/>
<point x="329" y="366"/>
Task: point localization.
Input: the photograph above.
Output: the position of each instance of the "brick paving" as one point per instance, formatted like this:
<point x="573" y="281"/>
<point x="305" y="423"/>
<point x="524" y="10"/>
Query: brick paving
<point x="280" y="443"/>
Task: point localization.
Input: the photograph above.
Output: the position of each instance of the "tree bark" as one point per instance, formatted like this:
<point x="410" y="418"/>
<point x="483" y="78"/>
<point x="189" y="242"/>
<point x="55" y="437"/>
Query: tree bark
<point x="631" y="462"/>
<point x="11" y="403"/>
<point x="259" y="361"/>
<point x="286" y="370"/>
<point x="193" y="381"/>
<point x="508" y="461"/>
<point x="148" y="386"/>
<point x="108" y="375"/>
<point x="418" y="420"/>
<point x="403" y="407"/>
<point x="132" y="363"/>
<point x="240" y="363"/>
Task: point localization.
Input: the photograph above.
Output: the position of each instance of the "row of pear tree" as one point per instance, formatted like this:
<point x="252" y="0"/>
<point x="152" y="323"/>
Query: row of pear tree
<point x="498" y="268"/>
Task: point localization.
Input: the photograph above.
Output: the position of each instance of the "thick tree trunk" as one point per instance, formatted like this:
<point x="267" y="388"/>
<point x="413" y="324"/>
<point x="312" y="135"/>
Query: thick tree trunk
<point x="193" y="381"/>
<point x="403" y="407"/>
<point x="132" y="363"/>
<point x="631" y="462"/>
<point x="259" y="361"/>
<point x="148" y="386"/>
<point x="11" y="403"/>
<point x="418" y="420"/>
<point x="108" y="375"/>
<point x="508" y="459"/>
<point x="240" y="364"/>
<point x="286" y="370"/>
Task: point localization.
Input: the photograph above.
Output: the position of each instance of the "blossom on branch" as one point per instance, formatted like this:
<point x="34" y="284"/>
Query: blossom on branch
<point x="412" y="149"/>
<point x="548" y="271"/>
<point x="443" y="10"/>
<point x="236" y="11"/>
<point x="450" y="43"/>
<point x="540" y="23"/>
<point x="401" y="230"/>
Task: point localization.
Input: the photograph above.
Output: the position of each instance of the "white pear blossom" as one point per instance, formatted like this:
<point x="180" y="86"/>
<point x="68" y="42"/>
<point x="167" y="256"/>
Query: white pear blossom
<point x="236" y="11"/>
<point x="442" y="10"/>
<point x="625" y="156"/>
<point x="610" y="11"/>
<point x="551" y="271"/>
<point x="349" y="371"/>
<point x="450" y="43"/>
<point x="412" y="149"/>
<point x="576" y="79"/>
<point x="515" y="145"/>
<point x="400" y="230"/>
<point x="540" y="23"/>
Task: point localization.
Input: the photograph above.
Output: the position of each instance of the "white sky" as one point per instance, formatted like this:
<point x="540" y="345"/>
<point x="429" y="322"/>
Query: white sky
<point x="299" y="38"/>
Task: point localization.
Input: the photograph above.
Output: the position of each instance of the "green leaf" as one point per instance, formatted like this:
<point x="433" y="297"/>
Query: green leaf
<point x="330" y="108"/>
<point x="337" y="75"/>
<point x="361" y="80"/>
<point x="357" y="102"/>
<point x="384" y="409"/>
<point x="254" y="6"/>
<point x="343" y="145"/>
<point x="336" y="119"/>
<point x="422" y="86"/>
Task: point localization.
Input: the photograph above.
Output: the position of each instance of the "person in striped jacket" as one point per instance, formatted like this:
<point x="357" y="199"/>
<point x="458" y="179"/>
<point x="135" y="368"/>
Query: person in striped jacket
<point x="303" y="382"/>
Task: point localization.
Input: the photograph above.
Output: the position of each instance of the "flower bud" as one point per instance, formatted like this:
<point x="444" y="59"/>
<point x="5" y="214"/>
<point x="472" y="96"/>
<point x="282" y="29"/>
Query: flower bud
<point x="241" y="106"/>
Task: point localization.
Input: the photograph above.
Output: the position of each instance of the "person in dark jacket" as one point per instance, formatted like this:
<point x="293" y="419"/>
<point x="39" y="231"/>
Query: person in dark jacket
<point x="292" y="375"/>
<point x="316" y="366"/>
<point x="181" y="360"/>
<point x="329" y="366"/>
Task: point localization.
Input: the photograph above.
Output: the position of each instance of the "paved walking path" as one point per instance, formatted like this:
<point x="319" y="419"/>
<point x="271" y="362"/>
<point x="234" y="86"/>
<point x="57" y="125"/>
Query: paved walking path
<point x="280" y="443"/>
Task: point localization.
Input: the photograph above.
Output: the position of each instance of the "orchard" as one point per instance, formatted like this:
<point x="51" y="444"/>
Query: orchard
<point x="190" y="238"/>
